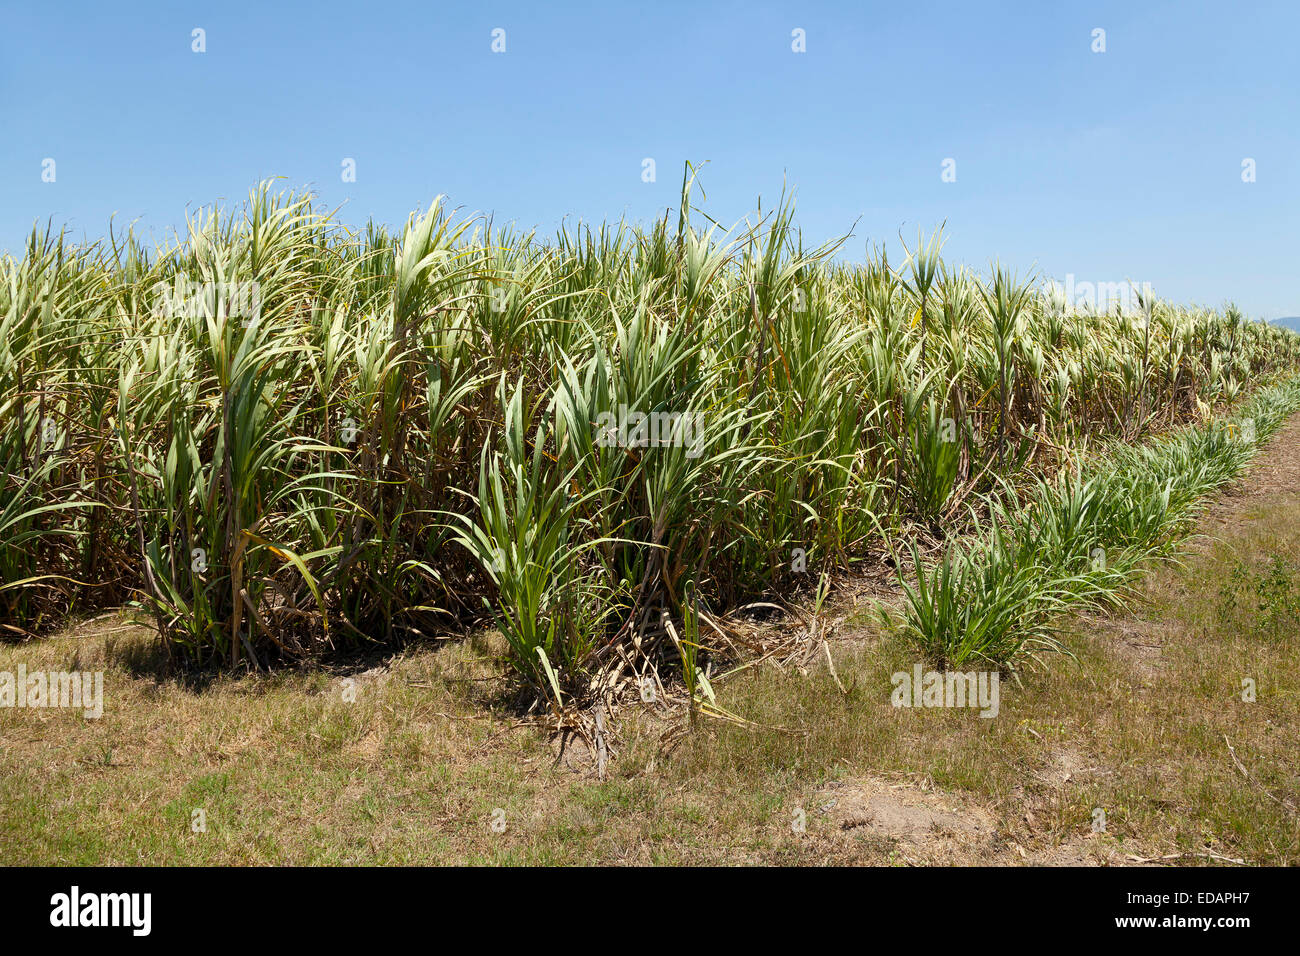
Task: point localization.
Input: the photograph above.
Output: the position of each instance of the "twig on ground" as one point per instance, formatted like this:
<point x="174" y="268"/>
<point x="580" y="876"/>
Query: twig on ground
<point x="1287" y="804"/>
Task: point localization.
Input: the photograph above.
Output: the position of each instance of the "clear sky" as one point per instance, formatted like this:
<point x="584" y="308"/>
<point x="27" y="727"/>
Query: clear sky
<point x="1109" y="166"/>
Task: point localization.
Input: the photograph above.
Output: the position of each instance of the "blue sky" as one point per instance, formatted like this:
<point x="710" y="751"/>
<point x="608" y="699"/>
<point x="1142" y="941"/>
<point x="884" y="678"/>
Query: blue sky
<point x="1119" y="165"/>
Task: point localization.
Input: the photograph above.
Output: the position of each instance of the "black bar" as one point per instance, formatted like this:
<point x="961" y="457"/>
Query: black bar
<point x="334" y="906"/>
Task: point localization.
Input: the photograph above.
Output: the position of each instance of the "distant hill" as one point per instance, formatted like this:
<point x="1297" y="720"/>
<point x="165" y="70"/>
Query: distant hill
<point x="1291" y="322"/>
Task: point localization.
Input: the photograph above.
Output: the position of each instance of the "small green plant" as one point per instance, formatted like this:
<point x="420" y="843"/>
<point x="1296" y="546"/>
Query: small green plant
<point x="1268" y="596"/>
